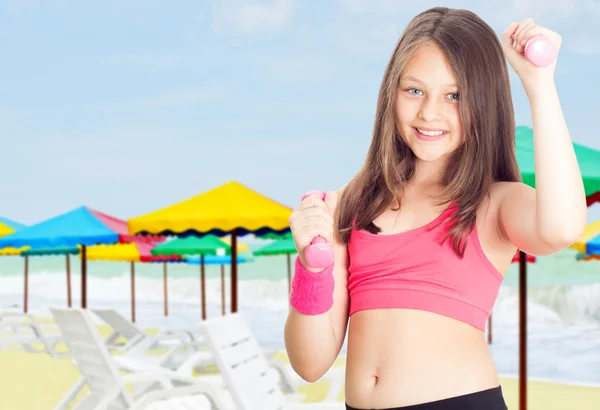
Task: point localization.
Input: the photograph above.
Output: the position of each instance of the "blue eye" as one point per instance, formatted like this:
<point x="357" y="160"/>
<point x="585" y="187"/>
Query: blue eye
<point x="456" y="95"/>
<point x="413" y="89"/>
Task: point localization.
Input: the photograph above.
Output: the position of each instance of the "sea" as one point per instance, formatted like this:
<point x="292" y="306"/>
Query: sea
<point x="563" y="303"/>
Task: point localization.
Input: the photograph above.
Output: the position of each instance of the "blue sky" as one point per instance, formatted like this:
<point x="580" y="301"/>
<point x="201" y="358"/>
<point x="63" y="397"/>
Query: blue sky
<point x="129" y="105"/>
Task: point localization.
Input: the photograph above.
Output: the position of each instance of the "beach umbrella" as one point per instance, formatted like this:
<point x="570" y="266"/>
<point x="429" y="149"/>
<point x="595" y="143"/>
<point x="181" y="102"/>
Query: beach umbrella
<point x="230" y="209"/>
<point x="82" y="226"/>
<point x="589" y="241"/>
<point x="206" y="245"/>
<point x="7" y="227"/>
<point x="280" y="247"/>
<point x="589" y="165"/>
<point x="132" y="252"/>
<point x="586" y="257"/>
<point x="588" y="245"/>
<point x="10" y="251"/>
<point x="286" y="235"/>
<point x="528" y="258"/>
<point x="56" y="251"/>
<point x="219" y="260"/>
<point x="240" y="249"/>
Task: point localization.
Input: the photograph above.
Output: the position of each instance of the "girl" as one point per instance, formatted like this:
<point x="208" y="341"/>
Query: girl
<point x="426" y="230"/>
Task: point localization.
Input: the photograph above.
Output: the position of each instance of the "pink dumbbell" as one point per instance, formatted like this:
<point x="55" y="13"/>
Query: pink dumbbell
<point x="540" y="51"/>
<point x="319" y="254"/>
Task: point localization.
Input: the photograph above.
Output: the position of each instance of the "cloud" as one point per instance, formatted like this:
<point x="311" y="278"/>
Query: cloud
<point x="246" y="19"/>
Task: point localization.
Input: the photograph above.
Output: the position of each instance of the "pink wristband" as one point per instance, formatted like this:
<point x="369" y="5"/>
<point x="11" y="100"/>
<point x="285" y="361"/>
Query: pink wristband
<point x="312" y="292"/>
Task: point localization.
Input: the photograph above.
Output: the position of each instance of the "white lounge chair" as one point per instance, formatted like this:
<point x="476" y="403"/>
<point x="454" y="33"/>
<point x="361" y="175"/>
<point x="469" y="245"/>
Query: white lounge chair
<point x="23" y="330"/>
<point x="107" y="387"/>
<point x="252" y="382"/>
<point x="179" y="344"/>
<point x="134" y="334"/>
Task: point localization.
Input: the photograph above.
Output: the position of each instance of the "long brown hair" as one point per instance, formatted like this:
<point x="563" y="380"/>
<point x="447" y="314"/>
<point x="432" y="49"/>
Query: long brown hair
<point x="475" y="55"/>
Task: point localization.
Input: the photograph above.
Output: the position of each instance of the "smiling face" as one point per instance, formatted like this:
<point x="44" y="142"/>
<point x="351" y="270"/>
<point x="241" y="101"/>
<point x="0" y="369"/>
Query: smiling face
<point x="427" y="105"/>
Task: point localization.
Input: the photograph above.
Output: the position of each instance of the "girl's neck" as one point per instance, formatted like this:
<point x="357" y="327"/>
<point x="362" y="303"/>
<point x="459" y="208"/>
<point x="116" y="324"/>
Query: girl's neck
<point x="429" y="175"/>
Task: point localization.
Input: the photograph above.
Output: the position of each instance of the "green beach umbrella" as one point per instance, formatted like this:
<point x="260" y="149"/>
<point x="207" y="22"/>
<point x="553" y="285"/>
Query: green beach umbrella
<point x="280" y="247"/>
<point x="206" y="245"/>
<point x="192" y="245"/>
<point x="589" y="165"/>
<point x="59" y="250"/>
<point x="272" y="235"/>
<point x="588" y="159"/>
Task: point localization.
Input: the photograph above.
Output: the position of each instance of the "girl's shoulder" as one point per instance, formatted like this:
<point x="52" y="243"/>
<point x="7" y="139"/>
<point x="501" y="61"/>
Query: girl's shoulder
<point x="500" y="190"/>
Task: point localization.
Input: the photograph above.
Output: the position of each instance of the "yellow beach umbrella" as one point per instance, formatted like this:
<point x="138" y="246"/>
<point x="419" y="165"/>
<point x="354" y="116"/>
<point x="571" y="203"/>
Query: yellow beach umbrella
<point x="8" y="226"/>
<point x="231" y="208"/>
<point x="12" y="251"/>
<point x="5" y="229"/>
<point x="221" y="210"/>
<point x="132" y="253"/>
<point x="591" y="231"/>
<point x="121" y="252"/>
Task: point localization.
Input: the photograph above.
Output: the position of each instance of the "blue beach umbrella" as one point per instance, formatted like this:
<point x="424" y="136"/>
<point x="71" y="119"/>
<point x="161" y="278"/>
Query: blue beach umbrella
<point x="82" y="227"/>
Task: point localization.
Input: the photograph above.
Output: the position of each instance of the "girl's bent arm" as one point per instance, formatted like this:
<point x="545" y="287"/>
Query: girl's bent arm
<point x="314" y="342"/>
<point x="553" y="216"/>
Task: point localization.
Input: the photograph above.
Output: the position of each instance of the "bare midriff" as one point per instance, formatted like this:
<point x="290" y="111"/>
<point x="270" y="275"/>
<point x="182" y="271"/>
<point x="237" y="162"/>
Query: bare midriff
<point x="402" y="357"/>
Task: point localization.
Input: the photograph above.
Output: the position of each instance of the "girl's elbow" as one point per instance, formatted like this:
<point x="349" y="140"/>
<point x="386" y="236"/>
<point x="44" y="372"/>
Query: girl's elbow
<point x="561" y="236"/>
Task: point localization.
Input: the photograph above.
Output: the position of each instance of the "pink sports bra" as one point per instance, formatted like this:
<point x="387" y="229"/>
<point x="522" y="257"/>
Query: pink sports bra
<point x="414" y="270"/>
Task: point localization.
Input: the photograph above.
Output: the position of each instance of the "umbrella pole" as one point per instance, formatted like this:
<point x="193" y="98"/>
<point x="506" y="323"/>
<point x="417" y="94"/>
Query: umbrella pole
<point x="522" y="330"/>
<point x="133" y="292"/>
<point x="222" y="290"/>
<point x="68" y="261"/>
<point x="25" y="284"/>
<point x="202" y="287"/>
<point x="83" y="277"/>
<point x="490" y="329"/>
<point x="234" y="279"/>
<point x="165" y="287"/>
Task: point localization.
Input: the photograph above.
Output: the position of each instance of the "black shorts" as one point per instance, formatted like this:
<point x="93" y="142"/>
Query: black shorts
<point x="491" y="399"/>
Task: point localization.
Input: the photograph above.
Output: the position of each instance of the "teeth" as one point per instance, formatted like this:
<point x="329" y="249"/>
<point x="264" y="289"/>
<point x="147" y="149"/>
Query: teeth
<point x="431" y="133"/>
